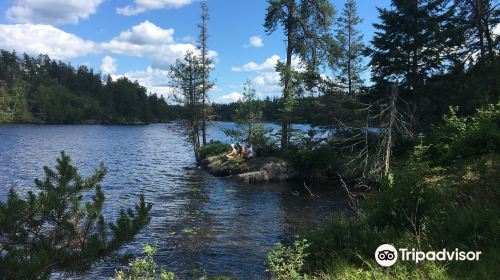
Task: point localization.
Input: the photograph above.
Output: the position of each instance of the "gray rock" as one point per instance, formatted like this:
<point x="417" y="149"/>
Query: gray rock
<point x="250" y="171"/>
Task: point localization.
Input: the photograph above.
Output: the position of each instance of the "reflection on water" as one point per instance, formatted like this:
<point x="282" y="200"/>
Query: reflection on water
<point x="199" y="221"/>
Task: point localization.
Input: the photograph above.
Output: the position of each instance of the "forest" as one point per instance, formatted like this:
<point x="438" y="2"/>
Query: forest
<point x="42" y="90"/>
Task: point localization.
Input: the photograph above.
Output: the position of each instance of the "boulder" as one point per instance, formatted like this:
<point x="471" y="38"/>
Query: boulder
<point x="250" y="171"/>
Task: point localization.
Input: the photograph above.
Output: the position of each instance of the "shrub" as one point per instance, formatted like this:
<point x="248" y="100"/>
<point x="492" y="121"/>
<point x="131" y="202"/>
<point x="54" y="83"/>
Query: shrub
<point x="469" y="136"/>
<point x="213" y="148"/>
<point x="286" y="263"/>
<point x="264" y="143"/>
<point x="427" y="204"/>
<point x="145" y="269"/>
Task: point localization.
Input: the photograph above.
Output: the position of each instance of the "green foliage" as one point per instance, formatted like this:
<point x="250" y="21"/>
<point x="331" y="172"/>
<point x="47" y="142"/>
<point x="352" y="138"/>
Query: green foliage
<point x="424" y="204"/>
<point x="247" y="116"/>
<point x="14" y="104"/>
<point x="418" y="28"/>
<point x="56" y="229"/>
<point x="188" y="76"/>
<point x="44" y="90"/>
<point x="469" y="136"/>
<point x="214" y="148"/>
<point x="286" y="263"/>
<point x="145" y="268"/>
<point x="236" y="161"/>
<point x="311" y="42"/>
<point x="310" y="154"/>
<point x="264" y="142"/>
<point x="249" y="127"/>
<point x="350" y="41"/>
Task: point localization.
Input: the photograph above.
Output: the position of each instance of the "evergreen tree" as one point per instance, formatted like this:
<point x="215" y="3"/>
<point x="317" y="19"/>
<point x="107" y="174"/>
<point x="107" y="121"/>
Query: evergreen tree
<point x="306" y="24"/>
<point x="207" y="66"/>
<point x="247" y="116"/>
<point x="56" y="229"/>
<point x="187" y="77"/>
<point x="409" y="44"/>
<point x="350" y="41"/>
<point x="56" y="92"/>
<point x="477" y="20"/>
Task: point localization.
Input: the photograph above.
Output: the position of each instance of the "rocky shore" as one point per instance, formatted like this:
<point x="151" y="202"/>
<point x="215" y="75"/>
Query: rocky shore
<point x="250" y="171"/>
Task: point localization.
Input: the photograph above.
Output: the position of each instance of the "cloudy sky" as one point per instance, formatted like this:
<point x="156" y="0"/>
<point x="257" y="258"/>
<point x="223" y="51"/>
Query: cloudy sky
<point x="140" y="39"/>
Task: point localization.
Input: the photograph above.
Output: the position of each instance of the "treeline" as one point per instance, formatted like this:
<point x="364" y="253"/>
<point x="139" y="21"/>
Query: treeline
<point x="43" y="90"/>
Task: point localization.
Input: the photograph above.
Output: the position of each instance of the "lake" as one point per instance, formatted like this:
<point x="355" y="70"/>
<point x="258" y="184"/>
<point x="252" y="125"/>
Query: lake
<point x="199" y="221"/>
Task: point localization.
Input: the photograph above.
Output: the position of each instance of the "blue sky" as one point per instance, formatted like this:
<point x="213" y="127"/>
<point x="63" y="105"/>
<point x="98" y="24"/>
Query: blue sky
<point x="139" y="39"/>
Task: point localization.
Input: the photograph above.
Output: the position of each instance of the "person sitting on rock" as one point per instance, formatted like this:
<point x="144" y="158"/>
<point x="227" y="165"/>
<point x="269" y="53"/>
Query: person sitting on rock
<point x="248" y="152"/>
<point x="233" y="154"/>
<point x="239" y="149"/>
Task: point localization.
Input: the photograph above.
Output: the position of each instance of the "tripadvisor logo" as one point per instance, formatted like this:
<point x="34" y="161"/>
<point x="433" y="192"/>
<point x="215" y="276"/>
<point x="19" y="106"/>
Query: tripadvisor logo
<point x="387" y="255"/>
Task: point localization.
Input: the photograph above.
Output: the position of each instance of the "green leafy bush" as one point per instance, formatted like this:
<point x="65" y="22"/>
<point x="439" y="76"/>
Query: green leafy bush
<point x="214" y="148"/>
<point x="469" y="136"/>
<point x="145" y="268"/>
<point x="286" y="263"/>
<point x="427" y="204"/>
<point x="263" y="142"/>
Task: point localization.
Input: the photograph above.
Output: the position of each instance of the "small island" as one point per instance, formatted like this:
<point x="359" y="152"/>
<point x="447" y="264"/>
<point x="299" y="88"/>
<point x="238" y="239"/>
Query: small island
<point x="253" y="171"/>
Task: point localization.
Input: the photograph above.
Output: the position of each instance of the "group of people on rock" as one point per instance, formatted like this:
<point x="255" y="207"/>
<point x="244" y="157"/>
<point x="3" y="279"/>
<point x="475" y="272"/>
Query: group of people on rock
<point x="245" y="151"/>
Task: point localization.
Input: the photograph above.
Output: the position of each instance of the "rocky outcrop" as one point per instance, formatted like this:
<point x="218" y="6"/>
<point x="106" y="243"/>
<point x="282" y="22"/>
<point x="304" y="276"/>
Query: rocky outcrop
<point x="250" y="171"/>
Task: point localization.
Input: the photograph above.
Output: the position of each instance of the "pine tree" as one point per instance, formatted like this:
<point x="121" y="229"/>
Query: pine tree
<point x="247" y="116"/>
<point x="477" y="20"/>
<point x="55" y="229"/>
<point x="206" y="68"/>
<point x="187" y="76"/>
<point x="409" y="44"/>
<point x="350" y="41"/>
<point x="306" y="24"/>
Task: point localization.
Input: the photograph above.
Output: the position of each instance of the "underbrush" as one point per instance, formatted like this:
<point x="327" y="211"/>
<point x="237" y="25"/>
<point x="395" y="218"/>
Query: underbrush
<point x="444" y="196"/>
<point x="214" y="148"/>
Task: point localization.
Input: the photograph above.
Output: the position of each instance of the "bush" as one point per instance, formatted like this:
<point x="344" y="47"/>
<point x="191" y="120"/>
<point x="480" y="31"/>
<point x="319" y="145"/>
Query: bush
<point x="310" y="154"/>
<point x="263" y="142"/>
<point x="469" y="136"/>
<point x="214" y="148"/>
<point x="286" y="263"/>
<point x="145" y="269"/>
<point x="425" y="204"/>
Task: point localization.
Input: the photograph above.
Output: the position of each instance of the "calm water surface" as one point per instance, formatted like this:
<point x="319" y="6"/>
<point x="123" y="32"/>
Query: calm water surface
<point x="199" y="221"/>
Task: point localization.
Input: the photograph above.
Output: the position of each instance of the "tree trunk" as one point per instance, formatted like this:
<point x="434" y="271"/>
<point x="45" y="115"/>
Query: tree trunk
<point x="349" y="75"/>
<point x="476" y="12"/>
<point x="286" y="91"/>
<point x="203" y="37"/>
<point x="392" y="119"/>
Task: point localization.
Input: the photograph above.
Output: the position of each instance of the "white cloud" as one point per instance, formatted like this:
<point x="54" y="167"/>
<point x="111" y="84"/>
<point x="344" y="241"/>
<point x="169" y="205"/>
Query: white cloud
<point x="109" y="65"/>
<point x="266" y="66"/>
<point x="155" y="80"/>
<point x="51" y="11"/>
<point x="254" y="41"/>
<point x="35" y="39"/>
<point x="143" y="5"/>
<point x="265" y="78"/>
<point x="230" y="97"/>
<point x="140" y="39"/>
<point x="150" y="40"/>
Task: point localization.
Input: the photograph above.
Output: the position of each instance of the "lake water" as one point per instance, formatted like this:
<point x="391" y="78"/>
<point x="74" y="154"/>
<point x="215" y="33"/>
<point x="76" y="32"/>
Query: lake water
<point x="199" y="221"/>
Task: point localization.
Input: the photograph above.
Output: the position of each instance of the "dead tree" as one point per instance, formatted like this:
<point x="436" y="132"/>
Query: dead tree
<point x="392" y="119"/>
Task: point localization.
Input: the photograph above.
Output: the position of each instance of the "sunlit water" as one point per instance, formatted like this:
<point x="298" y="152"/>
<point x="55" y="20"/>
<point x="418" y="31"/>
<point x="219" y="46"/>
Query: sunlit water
<point x="199" y="221"/>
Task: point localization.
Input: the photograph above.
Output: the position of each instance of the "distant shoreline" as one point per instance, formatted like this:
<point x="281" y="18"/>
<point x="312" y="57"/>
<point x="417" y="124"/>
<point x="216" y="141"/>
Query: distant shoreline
<point x="84" y="123"/>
